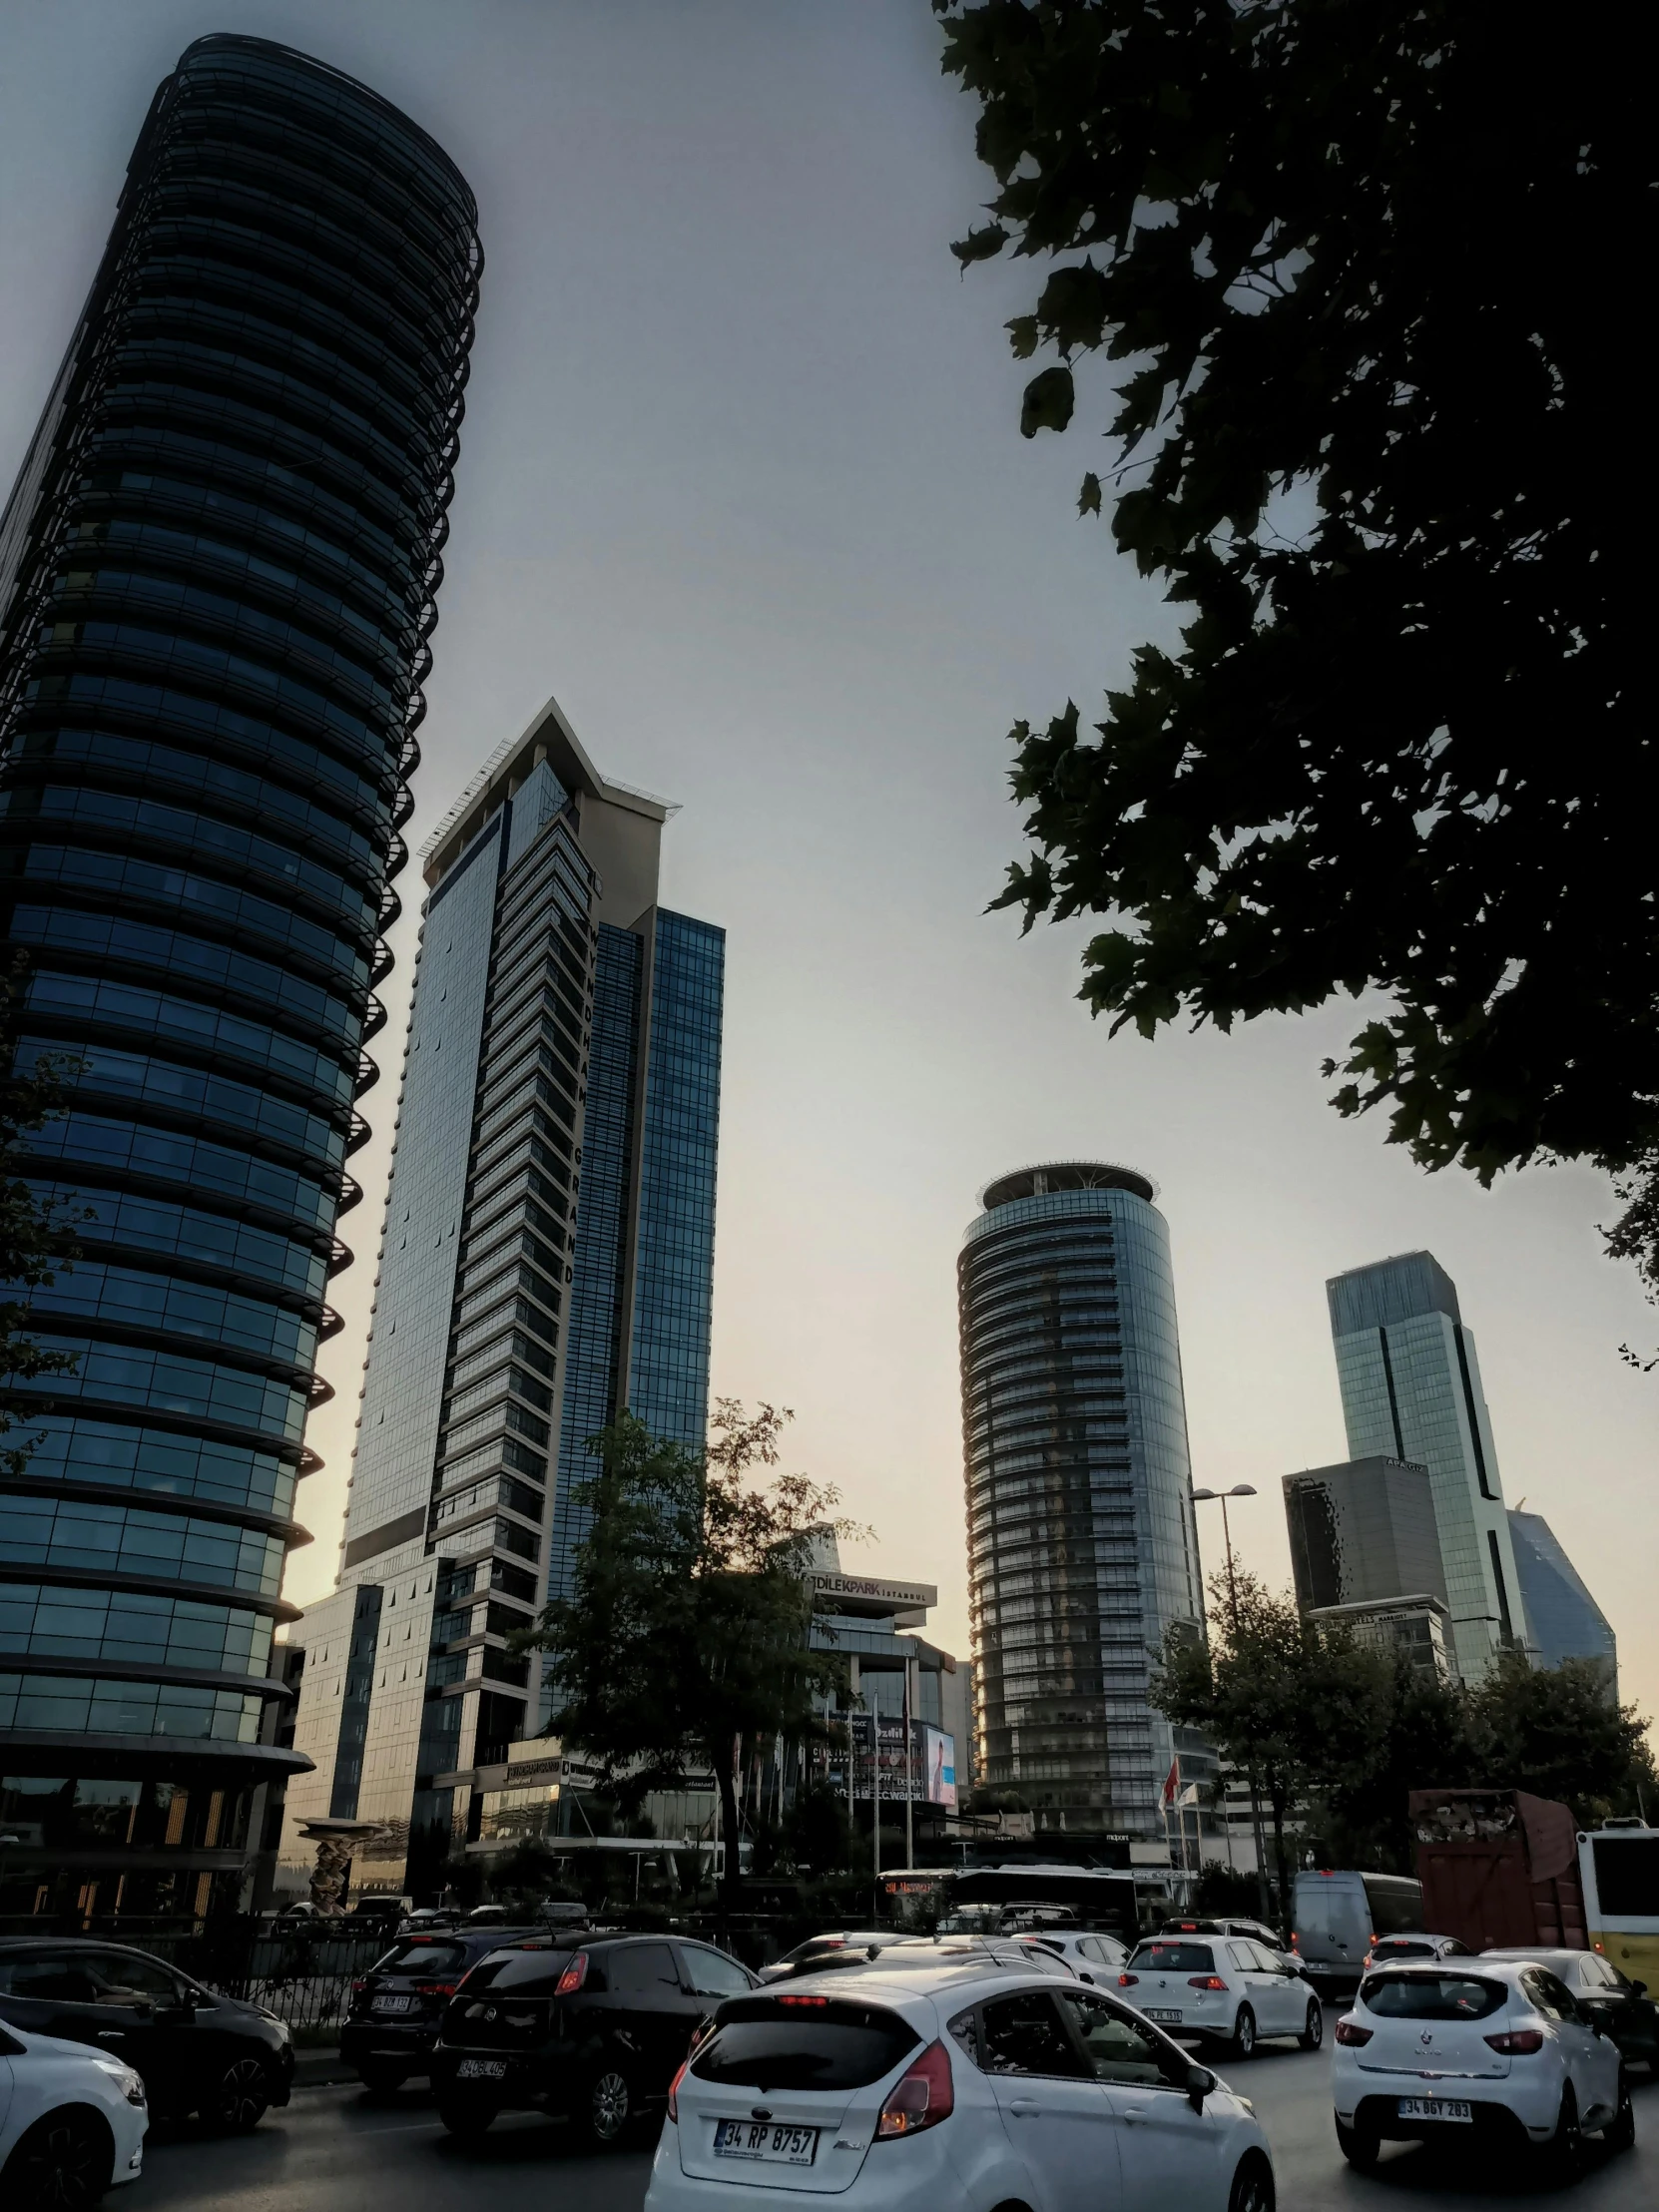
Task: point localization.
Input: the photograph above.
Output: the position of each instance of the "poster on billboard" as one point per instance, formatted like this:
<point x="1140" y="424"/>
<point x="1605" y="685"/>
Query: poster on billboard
<point x="939" y="1766"/>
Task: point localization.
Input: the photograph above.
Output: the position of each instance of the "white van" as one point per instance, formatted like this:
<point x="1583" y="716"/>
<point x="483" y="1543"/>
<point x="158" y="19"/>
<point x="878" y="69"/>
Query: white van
<point x="1339" y="1915"/>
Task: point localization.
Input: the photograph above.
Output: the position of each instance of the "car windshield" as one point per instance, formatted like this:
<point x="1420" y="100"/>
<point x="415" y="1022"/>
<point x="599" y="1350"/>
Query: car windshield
<point x="422" y="1960"/>
<point x="1165" y="1958"/>
<point x="804" y="2044"/>
<point x="1431" y="1996"/>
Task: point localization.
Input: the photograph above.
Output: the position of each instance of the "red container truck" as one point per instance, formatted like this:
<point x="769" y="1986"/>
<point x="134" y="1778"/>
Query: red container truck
<point x="1498" y="1868"/>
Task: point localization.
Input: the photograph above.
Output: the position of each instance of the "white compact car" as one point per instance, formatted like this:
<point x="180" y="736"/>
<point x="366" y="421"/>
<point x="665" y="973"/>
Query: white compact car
<point x="1226" y="1989"/>
<point x="1471" y="2051"/>
<point x="72" y="2122"/>
<point x="973" y="2087"/>
<point x="1091" y="1957"/>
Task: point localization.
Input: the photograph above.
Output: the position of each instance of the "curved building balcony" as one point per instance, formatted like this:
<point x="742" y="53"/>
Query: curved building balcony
<point x="215" y="591"/>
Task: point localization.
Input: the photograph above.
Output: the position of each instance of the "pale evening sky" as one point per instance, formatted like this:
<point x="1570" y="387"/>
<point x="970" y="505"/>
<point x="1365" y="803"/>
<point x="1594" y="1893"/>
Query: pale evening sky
<point x="741" y="483"/>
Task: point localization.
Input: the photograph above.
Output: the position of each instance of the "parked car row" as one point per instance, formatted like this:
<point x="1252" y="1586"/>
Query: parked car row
<point x="860" y="2039"/>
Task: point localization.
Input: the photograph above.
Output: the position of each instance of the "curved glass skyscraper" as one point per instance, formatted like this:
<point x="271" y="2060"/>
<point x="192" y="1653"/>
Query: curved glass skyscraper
<point x="1082" y="1551"/>
<point x="217" y="587"/>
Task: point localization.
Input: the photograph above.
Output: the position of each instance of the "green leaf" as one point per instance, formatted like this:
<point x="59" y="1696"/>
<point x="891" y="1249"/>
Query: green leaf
<point x="1048" y="402"/>
<point x="981" y="246"/>
<point x="1088" y="499"/>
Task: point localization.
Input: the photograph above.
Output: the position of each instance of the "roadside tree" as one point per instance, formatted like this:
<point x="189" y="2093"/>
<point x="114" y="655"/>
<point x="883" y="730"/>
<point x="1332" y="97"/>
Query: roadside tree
<point x="1344" y="283"/>
<point x="687" y="1634"/>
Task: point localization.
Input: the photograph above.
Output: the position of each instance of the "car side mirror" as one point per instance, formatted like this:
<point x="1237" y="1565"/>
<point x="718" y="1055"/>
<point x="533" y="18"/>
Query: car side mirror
<point x="1083" y="1974"/>
<point x="1638" y="1988"/>
<point x="1200" y="2082"/>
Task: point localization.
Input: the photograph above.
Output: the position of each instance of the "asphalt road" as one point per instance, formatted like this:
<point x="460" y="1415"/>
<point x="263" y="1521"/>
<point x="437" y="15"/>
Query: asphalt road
<point x="336" y="2150"/>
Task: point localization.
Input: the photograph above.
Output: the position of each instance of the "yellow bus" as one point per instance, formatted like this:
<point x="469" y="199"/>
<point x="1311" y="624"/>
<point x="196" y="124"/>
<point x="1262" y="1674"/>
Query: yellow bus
<point x="1618" y="1864"/>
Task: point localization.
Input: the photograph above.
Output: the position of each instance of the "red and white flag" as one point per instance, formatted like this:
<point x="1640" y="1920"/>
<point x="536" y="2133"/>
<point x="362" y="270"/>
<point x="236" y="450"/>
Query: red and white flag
<point x="1172" y="1783"/>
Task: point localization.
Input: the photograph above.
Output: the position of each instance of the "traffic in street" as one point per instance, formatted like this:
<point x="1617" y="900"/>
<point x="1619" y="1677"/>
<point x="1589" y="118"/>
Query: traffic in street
<point x="338" y="2149"/>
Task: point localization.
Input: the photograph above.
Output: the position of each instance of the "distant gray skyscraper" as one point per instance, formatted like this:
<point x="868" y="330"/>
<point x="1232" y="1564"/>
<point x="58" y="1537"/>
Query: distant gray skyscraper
<point x="1410" y="1387"/>
<point x="1082" y="1551"/>
<point x="1565" y="1620"/>
<point x="547" y="1261"/>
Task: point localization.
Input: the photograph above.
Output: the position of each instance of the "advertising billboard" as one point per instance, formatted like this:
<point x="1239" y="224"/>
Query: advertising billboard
<point x="939" y="1767"/>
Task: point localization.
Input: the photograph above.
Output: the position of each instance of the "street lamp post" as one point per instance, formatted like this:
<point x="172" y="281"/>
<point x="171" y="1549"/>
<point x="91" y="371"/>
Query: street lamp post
<point x="1239" y="1489"/>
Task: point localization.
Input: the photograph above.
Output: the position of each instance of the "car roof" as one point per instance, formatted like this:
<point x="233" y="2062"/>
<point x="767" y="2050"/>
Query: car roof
<point x="1539" y="1954"/>
<point x="962" y="1977"/>
<point x="1412" y="1969"/>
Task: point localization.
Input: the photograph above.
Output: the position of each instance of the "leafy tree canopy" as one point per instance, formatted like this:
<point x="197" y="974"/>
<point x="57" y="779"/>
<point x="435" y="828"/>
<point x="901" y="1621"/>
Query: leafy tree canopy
<point x="687" y="1629"/>
<point x="1362" y="274"/>
<point x="1291" y="1702"/>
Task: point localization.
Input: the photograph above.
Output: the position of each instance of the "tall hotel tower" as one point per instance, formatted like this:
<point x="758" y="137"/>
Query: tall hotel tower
<point x="1410" y="1387"/>
<point x="1082" y="1548"/>
<point x="217" y="580"/>
<point x="547" y="1262"/>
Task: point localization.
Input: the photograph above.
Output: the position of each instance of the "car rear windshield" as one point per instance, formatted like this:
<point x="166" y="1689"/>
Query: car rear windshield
<point x="423" y="1960"/>
<point x="529" y="1972"/>
<point x="1395" y="1947"/>
<point x="1431" y="1996"/>
<point x="1175" y="1958"/>
<point x="819" y="2045"/>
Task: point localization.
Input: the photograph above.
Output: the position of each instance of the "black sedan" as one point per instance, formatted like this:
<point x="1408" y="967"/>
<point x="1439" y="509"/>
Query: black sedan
<point x="591" y="2028"/>
<point x="395" y="2009"/>
<point x="197" y="2051"/>
<point x="1606" y="1998"/>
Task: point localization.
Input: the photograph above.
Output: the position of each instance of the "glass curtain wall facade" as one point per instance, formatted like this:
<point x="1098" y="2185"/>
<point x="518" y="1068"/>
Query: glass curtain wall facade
<point x="1410" y="1384"/>
<point x="1563" y="1619"/>
<point x="549" y="1236"/>
<point x="1082" y="1547"/>
<point x="216" y="590"/>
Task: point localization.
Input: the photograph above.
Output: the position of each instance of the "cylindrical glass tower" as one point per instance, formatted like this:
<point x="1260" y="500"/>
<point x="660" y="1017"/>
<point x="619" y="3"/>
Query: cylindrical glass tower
<point x="1082" y="1552"/>
<point x="217" y="585"/>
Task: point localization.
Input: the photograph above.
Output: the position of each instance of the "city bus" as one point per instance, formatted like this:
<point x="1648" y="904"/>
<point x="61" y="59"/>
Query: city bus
<point x="1618" y="1865"/>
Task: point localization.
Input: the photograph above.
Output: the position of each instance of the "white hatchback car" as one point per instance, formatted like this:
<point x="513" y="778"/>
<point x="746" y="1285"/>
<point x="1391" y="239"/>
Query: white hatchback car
<point x="1091" y="1957"/>
<point x="72" y="2122"/>
<point x="1226" y="1989"/>
<point x="975" y="2087"/>
<point x="1476" y="2051"/>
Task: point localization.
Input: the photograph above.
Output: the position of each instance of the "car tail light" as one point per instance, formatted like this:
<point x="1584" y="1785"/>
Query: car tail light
<point x="673" y="2093"/>
<point x="1293" y="1939"/>
<point x="1350" y="2031"/>
<point x="436" y="1988"/>
<point x="802" y="2001"/>
<point x="921" y="2098"/>
<point x="1522" y="2042"/>
<point x="357" y="1989"/>
<point x="1205" y="1981"/>
<point x="1127" y="1981"/>
<point x="572" y="1976"/>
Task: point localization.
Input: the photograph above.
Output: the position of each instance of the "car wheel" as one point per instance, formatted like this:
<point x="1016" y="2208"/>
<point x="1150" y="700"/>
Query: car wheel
<point x="381" y="2079"/>
<point x="1313" y="2033"/>
<point x="608" y="2107"/>
<point x="64" y="2161"/>
<point x="1253" y="2189"/>
<point x="1621" y="2131"/>
<point x="1566" y="2147"/>
<point x="1242" y="2043"/>
<point x="240" y="2097"/>
<point x="467" y="2116"/>
<point x="1358" y="2145"/>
